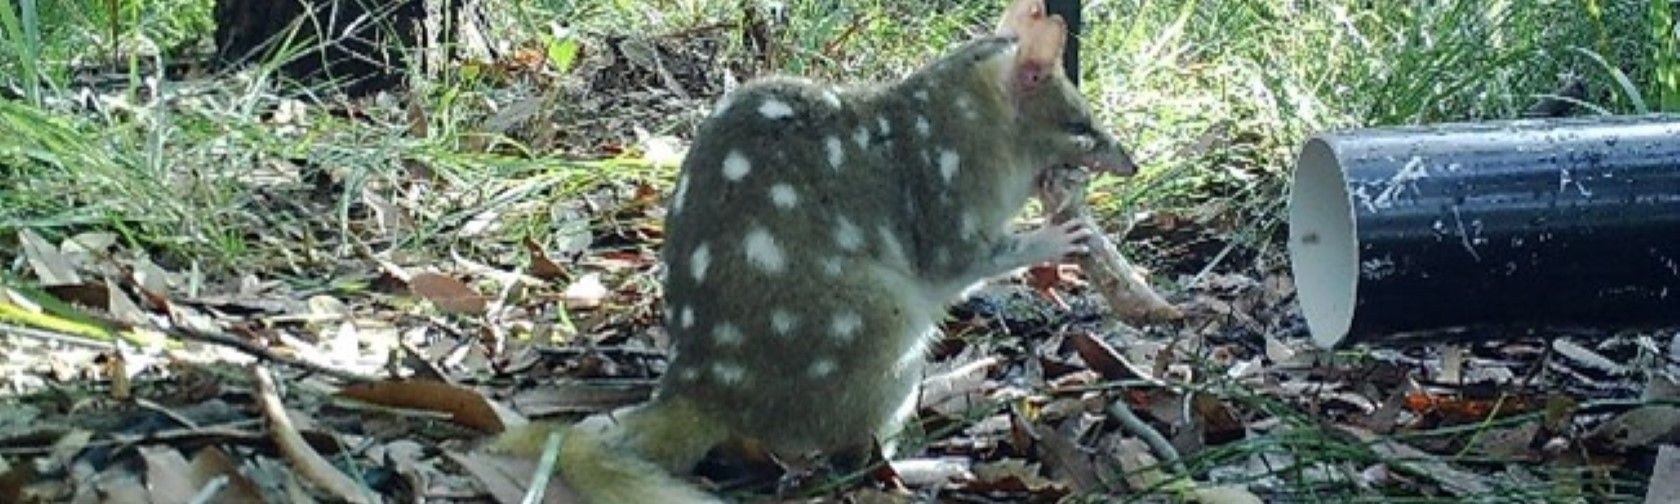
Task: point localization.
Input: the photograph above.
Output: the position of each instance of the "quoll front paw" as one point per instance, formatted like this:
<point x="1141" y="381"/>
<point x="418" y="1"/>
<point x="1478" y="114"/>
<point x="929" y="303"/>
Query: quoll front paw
<point x="1057" y="241"/>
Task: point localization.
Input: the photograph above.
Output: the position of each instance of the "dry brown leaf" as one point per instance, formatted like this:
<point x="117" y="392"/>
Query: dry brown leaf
<point x="541" y="266"/>
<point x="465" y="406"/>
<point x="1013" y="475"/>
<point x="1103" y="359"/>
<point x="309" y="464"/>
<point x="1066" y="458"/>
<point x="167" y="474"/>
<point x="210" y="463"/>
<point x="448" y="294"/>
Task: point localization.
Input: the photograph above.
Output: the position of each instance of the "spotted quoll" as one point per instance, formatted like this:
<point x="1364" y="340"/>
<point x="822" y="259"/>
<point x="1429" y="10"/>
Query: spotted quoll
<point x="816" y="236"/>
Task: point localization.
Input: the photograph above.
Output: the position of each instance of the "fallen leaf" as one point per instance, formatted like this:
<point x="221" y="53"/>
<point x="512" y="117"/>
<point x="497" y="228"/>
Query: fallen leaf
<point x="959" y="390"/>
<point x="569" y="396"/>
<point x="1013" y="475"/>
<point x="51" y="266"/>
<point x="586" y="292"/>
<point x="541" y="266"/>
<point x="210" y="463"/>
<point x="167" y="474"/>
<point x="448" y="294"/>
<point x="1103" y="359"/>
<point x="932" y="472"/>
<point x="465" y="406"/>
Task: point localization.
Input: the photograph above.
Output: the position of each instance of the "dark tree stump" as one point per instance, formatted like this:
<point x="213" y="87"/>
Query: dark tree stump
<point x="357" y="46"/>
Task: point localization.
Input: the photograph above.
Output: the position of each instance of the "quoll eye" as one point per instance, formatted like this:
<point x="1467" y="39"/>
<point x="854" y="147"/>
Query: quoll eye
<point x="1079" y="127"/>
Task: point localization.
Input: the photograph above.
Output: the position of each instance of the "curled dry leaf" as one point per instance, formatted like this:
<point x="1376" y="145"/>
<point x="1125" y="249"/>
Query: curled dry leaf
<point x="448" y="293"/>
<point x="465" y="406"/>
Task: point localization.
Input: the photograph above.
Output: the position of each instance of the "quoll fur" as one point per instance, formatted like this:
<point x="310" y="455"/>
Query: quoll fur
<point x="816" y="236"/>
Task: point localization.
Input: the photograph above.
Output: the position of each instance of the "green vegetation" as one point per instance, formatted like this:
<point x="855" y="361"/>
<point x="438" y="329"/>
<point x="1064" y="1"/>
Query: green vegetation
<point x="1212" y="96"/>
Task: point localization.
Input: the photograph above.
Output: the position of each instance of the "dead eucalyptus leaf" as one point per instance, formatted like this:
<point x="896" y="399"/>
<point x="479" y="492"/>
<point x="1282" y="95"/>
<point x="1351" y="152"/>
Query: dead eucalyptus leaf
<point x="448" y="294"/>
<point x="465" y="406"/>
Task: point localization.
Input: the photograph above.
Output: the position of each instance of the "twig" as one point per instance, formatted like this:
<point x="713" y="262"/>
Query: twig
<point x="309" y="463"/>
<point x="1157" y="442"/>
<point x="263" y="353"/>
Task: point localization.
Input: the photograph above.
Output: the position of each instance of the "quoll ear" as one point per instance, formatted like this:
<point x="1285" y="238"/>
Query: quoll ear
<point x="1040" y="40"/>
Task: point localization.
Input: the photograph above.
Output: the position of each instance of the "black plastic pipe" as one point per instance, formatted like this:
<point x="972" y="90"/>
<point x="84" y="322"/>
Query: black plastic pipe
<point x="1402" y="232"/>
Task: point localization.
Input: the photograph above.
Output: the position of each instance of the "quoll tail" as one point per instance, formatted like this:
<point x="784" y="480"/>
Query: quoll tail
<point x="627" y="457"/>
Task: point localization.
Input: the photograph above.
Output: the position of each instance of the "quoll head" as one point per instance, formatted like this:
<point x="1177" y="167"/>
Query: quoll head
<point x="1055" y="121"/>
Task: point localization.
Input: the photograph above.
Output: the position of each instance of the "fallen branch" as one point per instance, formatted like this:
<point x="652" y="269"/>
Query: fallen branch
<point x="1129" y="296"/>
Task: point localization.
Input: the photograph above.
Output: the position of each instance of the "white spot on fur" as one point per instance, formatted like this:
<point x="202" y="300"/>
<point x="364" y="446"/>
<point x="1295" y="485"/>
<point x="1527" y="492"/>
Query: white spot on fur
<point x="966" y="106"/>
<point x="698" y="262"/>
<point x="921" y="94"/>
<point x="847" y="235"/>
<point x="729" y="374"/>
<point x="784" y="196"/>
<point x="831" y="97"/>
<point x="687" y="317"/>
<point x="836" y="152"/>
<point x="861" y="137"/>
<point x="727" y="334"/>
<point x="762" y="251"/>
<point x="948" y="164"/>
<point x="822" y="368"/>
<point x="832" y="266"/>
<point x="969" y="227"/>
<point x="845" y="326"/>
<point x="923" y="128"/>
<point x="735" y="165"/>
<point x="775" y="109"/>
<point x="893" y="250"/>
<point x="886" y="127"/>
<point x="782" y="322"/>
<point x="682" y="193"/>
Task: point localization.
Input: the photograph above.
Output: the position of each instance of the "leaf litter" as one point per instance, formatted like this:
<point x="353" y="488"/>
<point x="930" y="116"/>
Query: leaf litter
<point x="343" y="368"/>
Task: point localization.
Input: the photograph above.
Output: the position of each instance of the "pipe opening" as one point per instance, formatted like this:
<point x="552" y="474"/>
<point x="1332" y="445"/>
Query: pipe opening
<point x="1323" y="252"/>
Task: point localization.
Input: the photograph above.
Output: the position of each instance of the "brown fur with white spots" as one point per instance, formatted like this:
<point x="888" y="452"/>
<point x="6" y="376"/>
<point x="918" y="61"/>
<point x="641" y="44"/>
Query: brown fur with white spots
<point x="826" y="231"/>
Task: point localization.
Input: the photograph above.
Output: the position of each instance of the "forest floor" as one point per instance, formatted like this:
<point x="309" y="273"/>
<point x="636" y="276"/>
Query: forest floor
<point x="215" y="285"/>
